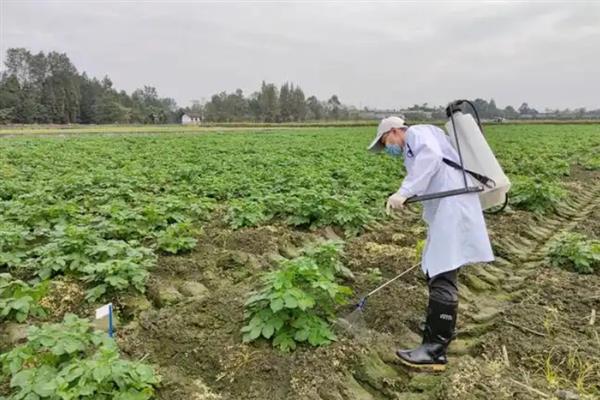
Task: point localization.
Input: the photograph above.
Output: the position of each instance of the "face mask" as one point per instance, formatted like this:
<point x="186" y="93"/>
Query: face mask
<point x="393" y="150"/>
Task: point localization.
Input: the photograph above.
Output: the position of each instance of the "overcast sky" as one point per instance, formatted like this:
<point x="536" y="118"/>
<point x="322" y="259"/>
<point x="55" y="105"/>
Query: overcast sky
<point x="377" y="54"/>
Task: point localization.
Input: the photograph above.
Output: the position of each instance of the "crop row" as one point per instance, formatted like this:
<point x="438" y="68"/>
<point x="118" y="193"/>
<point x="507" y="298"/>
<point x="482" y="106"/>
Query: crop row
<point x="101" y="208"/>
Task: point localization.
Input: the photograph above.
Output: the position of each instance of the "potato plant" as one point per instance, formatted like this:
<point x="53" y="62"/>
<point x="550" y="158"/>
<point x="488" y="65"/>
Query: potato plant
<point x="177" y="238"/>
<point x="576" y="252"/>
<point x="297" y="301"/>
<point x="68" y="360"/>
<point x="18" y="299"/>
<point x="536" y="194"/>
<point x="104" y="264"/>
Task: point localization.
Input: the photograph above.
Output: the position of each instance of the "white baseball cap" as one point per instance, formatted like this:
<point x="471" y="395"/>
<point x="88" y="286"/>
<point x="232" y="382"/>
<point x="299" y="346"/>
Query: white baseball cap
<point x="384" y="126"/>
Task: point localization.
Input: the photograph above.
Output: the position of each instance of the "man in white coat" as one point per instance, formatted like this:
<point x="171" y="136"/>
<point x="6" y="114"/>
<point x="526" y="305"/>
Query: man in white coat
<point x="456" y="233"/>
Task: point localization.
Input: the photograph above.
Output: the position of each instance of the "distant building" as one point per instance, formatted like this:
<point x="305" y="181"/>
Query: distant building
<point x="191" y="119"/>
<point x="378" y="114"/>
<point x="409" y="115"/>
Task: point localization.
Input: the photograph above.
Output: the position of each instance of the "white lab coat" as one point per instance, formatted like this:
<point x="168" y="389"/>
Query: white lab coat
<point x="456" y="233"/>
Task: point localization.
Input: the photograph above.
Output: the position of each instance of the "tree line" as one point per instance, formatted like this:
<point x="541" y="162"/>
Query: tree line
<point x="47" y="88"/>
<point x="489" y="110"/>
<point x="272" y="104"/>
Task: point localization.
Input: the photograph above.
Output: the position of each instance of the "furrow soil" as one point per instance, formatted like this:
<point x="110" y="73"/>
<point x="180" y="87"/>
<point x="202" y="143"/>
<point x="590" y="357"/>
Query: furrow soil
<point x="494" y="300"/>
<point x="523" y="326"/>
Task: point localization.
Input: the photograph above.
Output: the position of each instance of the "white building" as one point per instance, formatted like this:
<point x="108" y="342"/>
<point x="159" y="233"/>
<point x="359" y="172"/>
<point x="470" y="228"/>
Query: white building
<point x="189" y="119"/>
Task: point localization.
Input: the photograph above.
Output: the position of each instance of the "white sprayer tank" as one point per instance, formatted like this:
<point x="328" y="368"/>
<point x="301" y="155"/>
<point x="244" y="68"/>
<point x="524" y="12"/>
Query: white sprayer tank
<point x="478" y="157"/>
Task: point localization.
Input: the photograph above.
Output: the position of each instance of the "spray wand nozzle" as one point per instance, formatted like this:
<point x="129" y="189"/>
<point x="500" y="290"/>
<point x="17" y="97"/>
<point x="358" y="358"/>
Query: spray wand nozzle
<point x="361" y="303"/>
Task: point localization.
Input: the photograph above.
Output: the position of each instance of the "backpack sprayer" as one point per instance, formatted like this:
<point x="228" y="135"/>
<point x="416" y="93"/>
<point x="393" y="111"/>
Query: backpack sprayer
<point x="474" y="154"/>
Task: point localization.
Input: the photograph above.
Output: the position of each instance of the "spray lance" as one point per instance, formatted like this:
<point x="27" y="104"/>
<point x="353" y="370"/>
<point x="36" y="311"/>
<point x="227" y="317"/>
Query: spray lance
<point x="354" y="321"/>
<point x="363" y="301"/>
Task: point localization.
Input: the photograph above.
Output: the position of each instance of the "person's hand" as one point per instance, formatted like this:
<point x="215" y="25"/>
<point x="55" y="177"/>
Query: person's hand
<point x="395" y="201"/>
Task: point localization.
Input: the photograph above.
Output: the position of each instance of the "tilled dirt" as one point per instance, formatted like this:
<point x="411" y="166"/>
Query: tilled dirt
<point x="524" y="328"/>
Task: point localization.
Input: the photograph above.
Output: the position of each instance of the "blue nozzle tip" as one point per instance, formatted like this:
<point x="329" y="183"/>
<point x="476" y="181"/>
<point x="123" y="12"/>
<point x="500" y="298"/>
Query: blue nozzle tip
<point x="361" y="303"/>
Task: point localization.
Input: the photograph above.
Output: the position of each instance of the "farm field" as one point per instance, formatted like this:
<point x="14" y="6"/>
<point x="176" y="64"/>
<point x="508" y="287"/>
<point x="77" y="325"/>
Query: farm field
<point x="75" y="129"/>
<point x="179" y="230"/>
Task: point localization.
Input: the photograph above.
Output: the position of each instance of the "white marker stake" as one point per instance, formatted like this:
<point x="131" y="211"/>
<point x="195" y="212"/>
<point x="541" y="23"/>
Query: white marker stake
<point x="104" y="318"/>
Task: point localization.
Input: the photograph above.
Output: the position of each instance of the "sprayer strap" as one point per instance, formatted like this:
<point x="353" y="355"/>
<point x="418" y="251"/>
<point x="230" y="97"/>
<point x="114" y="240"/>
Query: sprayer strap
<point x="484" y="180"/>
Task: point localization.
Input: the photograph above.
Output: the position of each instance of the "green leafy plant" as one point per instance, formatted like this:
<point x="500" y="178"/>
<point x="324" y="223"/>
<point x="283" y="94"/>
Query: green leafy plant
<point x="13" y="244"/>
<point x="591" y="162"/>
<point x="297" y="301"/>
<point x="575" y="251"/>
<point x="419" y="249"/>
<point x="540" y="165"/>
<point x="348" y="213"/>
<point x="314" y="208"/>
<point x="536" y="194"/>
<point x="177" y="238"/>
<point x="116" y="265"/>
<point x="70" y="361"/>
<point x="105" y="264"/>
<point x="328" y="255"/>
<point x="374" y="275"/>
<point x="18" y="300"/>
<point x="244" y="213"/>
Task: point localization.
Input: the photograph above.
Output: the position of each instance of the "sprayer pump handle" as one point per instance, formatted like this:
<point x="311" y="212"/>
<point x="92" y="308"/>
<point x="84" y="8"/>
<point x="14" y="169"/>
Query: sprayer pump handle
<point x="454" y="107"/>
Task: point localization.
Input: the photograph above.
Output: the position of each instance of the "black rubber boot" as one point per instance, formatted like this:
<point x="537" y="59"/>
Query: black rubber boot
<point x="437" y="335"/>
<point x="423" y="326"/>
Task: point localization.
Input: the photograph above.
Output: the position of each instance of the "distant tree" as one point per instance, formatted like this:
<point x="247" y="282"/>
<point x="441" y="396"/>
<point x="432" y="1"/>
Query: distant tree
<point x="30" y="110"/>
<point x="298" y="104"/>
<point x="91" y="91"/>
<point x="268" y="100"/>
<point x="316" y="110"/>
<point x="580" y="112"/>
<point x="196" y="107"/>
<point x="492" y="109"/>
<point x="285" y="102"/>
<point x="510" y="112"/>
<point x="524" y="109"/>
<point x="107" y="84"/>
<point x="236" y="106"/>
<point x="254" y="107"/>
<point x="39" y="71"/>
<point x="7" y="115"/>
<point x="482" y="107"/>
<point x="225" y="107"/>
<point x="148" y="108"/>
<point x="334" y="107"/>
<point x="108" y="111"/>
<point x="17" y="64"/>
<point x="215" y="108"/>
<point x="61" y="97"/>
<point x="9" y="98"/>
